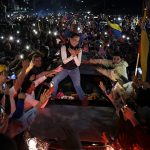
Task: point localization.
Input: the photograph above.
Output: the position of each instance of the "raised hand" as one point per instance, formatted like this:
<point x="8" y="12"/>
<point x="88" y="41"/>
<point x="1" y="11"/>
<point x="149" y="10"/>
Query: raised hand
<point x="77" y="51"/>
<point x="31" y="64"/>
<point x="44" y="96"/>
<point x="104" y="138"/>
<point x="25" y="64"/>
<point x="128" y="113"/>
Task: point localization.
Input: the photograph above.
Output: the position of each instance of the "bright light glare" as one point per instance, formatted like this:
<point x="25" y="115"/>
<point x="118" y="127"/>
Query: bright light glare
<point x="18" y="31"/>
<point x="55" y="33"/>
<point x="2" y="37"/>
<point x="18" y="41"/>
<point x="11" y="38"/>
<point x="119" y="18"/>
<point x="105" y="33"/>
<point x="32" y="144"/>
<point x="27" y="47"/>
<point x="123" y="36"/>
<point x="128" y="38"/>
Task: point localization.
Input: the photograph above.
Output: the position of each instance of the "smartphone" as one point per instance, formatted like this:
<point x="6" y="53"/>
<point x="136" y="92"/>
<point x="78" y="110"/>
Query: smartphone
<point x="3" y="86"/>
<point x="140" y="71"/>
<point x="12" y="76"/>
<point x="51" y="89"/>
<point x="21" y="56"/>
<point x="51" y="84"/>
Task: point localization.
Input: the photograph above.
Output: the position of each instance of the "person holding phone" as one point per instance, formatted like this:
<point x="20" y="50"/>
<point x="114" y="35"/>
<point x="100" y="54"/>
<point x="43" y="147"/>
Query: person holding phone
<point x="71" y="57"/>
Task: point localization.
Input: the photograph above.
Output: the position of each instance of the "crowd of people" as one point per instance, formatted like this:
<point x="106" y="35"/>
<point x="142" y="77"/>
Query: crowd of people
<point x="37" y="50"/>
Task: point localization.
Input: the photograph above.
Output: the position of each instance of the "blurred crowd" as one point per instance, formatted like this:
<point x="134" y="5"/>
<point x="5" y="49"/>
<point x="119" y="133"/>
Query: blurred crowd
<point x="30" y="56"/>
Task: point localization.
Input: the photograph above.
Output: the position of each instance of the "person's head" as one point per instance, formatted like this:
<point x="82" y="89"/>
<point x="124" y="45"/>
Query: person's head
<point x="37" y="60"/>
<point x="117" y="58"/>
<point x="74" y="39"/>
<point x="74" y="28"/>
<point x="44" y="50"/>
<point x="7" y="46"/>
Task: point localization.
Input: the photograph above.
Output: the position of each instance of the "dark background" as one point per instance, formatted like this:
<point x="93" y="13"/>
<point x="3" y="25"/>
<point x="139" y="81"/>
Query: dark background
<point x="97" y="6"/>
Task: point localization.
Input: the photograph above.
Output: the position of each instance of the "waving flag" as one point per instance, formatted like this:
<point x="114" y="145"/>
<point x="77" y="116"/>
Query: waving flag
<point x="115" y="29"/>
<point x="144" y="54"/>
<point x="3" y="68"/>
<point x="148" y="68"/>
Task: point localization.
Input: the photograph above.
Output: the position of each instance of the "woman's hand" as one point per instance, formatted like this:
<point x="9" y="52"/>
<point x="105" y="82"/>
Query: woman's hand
<point x="74" y="52"/>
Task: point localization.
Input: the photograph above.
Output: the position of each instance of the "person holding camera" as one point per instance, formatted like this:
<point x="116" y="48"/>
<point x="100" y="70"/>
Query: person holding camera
<point x="71" y="57"/>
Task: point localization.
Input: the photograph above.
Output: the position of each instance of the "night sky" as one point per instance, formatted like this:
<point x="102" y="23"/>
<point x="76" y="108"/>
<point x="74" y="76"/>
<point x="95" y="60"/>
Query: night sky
<point x="112" y="6"/>
<point x="105" y="6"/>
<point x="109" y="6"/>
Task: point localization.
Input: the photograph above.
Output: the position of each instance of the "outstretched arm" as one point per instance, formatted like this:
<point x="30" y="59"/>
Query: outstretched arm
<point x="105" y="62"/>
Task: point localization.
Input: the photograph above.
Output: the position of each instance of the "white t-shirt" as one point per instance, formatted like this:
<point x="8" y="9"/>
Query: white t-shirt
<point x="30" y="100"/>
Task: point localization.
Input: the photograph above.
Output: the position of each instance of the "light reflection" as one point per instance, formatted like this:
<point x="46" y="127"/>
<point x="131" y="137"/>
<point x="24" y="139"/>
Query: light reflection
<point x="36" y="144"/>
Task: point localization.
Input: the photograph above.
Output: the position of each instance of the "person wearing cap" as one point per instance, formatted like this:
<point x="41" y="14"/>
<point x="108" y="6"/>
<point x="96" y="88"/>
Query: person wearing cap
<point x="3" y="69"/>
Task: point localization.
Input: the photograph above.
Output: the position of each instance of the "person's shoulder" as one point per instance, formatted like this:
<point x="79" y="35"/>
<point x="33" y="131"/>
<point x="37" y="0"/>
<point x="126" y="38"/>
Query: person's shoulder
<point x="124" y="63"/>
